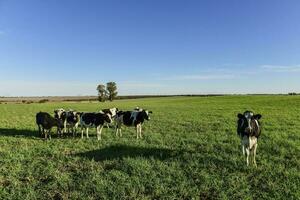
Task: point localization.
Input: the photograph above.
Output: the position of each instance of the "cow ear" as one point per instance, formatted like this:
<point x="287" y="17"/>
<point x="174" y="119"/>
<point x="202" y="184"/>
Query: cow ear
<point x="240" y="115"/>
<point x="150" y="112"/>
<point x="258" y="116"/>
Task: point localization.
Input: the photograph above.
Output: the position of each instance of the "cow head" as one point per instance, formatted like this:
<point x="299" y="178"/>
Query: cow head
<point x="247" y="122"/>
<point x="146" y="114"/>
<point x="113" y="111"/>
<point x="75" y="115"/>
<point x="58" y="113"/>
<point x="108" y="118"/>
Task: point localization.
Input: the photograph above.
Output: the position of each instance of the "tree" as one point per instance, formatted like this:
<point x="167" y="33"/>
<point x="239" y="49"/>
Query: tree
<point x="102" y="93"/>
<point x="112" y="90"/>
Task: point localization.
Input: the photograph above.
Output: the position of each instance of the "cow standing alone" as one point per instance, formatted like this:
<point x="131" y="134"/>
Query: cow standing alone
<point x="134" y="118"/>
<point x="249" y="130"/>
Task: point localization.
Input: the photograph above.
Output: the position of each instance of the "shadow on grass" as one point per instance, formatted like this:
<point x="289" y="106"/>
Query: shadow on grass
<point x="125" y="151"/>
<point x="34" y="133"/>
<point x="18" y="132"/>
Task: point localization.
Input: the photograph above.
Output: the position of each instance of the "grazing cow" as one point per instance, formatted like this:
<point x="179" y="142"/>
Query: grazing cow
<point x="132" y="118"/>
<point x="89" y="120"/>
<point x="111" y="111"/>
<point x="249" y="130"/>
<point x="45" y="123"/>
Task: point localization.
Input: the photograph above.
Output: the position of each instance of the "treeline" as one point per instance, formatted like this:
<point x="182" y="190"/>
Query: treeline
<point x="293" y="93"/>
<point x="107" y="92"/>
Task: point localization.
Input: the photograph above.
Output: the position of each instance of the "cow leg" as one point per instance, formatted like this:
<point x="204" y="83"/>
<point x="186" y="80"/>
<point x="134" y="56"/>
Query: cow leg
<point x="50" y="134"/>
<point x="254" y="154"/>
<point x="57" y="132"/>
<point x="87" y="132"/>
<point x="82" y="132"/>
<point x="75" y="130"/>
<point x="117" y="130"/>
<point x="99" y="131"/>
<point x="141" y="131"/>
<point x="247" y="156"/>
<point x="120" y="132"/>
<point x="243" y="148"/>
<point x="137" y="132"/>
<point x="65" y="126"/>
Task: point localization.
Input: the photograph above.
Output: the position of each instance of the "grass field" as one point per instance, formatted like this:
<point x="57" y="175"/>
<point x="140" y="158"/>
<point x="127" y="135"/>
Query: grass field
<point x="190" y="150"/>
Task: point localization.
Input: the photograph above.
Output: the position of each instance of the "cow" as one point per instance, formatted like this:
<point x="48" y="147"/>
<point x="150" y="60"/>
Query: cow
<point x="111" y="111"/>
<point x="97" y="120"/>
<point x="46" y="122"/>
<point x="134" y="118"/>
<point x="249" y="130"/>
<point x="70" y="119"/>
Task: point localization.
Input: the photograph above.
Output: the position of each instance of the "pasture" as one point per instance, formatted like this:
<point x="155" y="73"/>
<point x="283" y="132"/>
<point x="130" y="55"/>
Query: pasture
<point x="190" y="150"/>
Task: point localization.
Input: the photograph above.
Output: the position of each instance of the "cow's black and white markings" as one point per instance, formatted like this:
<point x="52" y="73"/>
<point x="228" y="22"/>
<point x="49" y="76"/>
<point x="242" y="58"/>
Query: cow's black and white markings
<point x="134" y="118"/>
<point x="46" y="122"/>
<point x="70" y="119"/>
<point x="112" y="112"/>
<point x="58" y="113"/>
<point x="94" y="120"/>
<point x="249" y="130"/>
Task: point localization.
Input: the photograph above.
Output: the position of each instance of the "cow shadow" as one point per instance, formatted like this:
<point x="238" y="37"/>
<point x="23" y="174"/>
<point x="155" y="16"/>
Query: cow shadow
<point x="124" y="151"/>
<point x="18" y="132"/>
<point x="13" y="132"/>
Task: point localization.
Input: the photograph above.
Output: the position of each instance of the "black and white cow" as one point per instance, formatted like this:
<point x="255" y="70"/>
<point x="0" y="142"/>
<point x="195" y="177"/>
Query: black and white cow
<point x="70" y="119"/>
<point x="111" y="111"/>
<point x="46" y="122"/>
<point x="94" y="120"/>
<point x="134" y="118"/>
<point x="249" y="130"/>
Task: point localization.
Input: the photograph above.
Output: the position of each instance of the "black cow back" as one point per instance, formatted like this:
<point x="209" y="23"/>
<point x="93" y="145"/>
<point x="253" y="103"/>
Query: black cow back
<point x="46" y="120"/>
<point x="129" y="120"/>
<point x="93" y="119"/>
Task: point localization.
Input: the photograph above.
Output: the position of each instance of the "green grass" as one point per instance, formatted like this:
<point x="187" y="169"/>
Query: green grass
<point x="190" y="150"/>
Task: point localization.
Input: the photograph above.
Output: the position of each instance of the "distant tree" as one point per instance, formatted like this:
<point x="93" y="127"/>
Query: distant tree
<point x="102" y="93"/>
<point x="112" y="90"/>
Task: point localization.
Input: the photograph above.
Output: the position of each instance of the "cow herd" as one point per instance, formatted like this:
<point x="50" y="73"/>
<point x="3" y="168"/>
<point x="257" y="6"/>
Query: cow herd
<point x="248" y="125"/>
<point x="68" y="121"/>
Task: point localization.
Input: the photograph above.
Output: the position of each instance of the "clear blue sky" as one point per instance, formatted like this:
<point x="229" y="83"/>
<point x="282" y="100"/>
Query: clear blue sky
<point x="67" y="47"/>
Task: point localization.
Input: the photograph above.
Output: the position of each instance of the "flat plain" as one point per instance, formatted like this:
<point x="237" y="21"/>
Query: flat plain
<point x="190" y="150"/>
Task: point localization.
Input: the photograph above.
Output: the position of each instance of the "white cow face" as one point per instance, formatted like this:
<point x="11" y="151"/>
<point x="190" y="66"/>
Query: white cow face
<point x="113" y="111"/>
<point x="146" y="114"/>
<point x="58" y="113"/>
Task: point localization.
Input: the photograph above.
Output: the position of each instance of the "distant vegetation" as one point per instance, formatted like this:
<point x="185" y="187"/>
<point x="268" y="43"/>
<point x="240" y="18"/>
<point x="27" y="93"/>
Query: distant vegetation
<point x="293" y="93"/>
<point x="108" y="92"/>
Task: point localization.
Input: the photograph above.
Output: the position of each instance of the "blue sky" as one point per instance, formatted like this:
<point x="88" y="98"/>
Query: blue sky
<point x="67" y="47"/>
